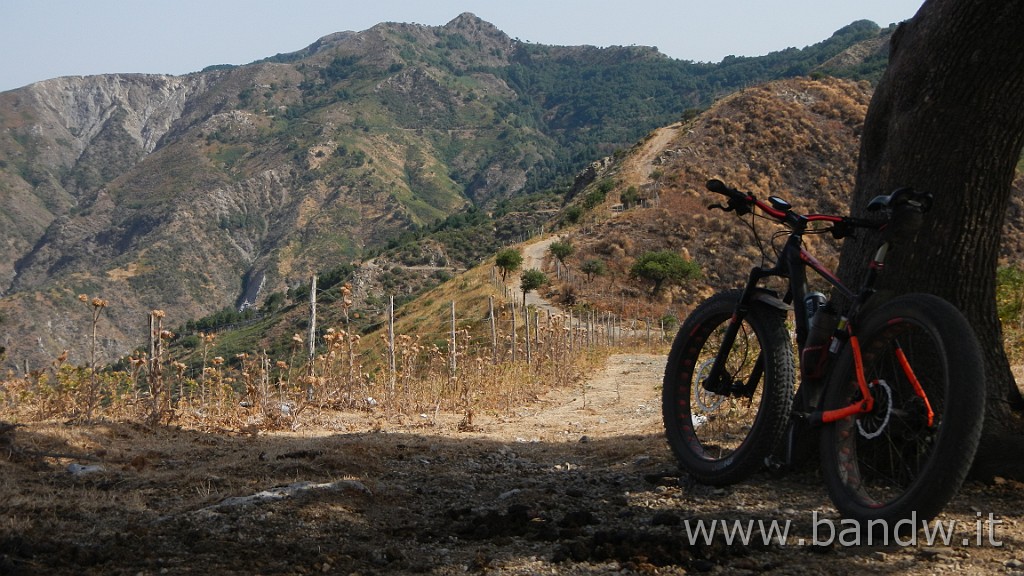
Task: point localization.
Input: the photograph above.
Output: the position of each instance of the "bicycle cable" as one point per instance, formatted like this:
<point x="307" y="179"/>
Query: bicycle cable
<point x="753" y="232"/>
<point x="783" y="233"/>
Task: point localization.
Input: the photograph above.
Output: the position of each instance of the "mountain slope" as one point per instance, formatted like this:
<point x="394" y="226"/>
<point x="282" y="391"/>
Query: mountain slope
<point x="192" y="193"/>
<point x="798" y="139"/>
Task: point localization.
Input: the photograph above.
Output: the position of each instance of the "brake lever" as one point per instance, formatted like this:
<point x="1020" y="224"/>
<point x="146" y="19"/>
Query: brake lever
<point x="841" y="230"/>
<point x="720" y="207"/>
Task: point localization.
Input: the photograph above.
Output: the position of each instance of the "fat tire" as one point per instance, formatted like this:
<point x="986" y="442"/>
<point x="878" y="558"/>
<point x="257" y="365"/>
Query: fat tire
<point x="941" y="345"/>
<point x="693" y="346"/>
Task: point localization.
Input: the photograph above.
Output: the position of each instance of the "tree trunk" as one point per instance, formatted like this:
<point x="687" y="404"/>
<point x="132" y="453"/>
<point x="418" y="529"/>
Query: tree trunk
<point x="948" y="117"/>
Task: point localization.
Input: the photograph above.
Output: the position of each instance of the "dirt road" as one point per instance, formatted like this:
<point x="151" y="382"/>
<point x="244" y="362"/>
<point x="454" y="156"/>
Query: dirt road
<point x="641" y="165"/>
<point x="533" y="257"/>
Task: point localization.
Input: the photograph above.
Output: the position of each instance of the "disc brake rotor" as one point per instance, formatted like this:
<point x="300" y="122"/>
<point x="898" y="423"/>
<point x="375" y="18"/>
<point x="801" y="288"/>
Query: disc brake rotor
<point x="872" y="424"/>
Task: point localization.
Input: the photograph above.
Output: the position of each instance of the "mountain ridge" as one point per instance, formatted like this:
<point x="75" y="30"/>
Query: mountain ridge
<point x="189" y="193"/>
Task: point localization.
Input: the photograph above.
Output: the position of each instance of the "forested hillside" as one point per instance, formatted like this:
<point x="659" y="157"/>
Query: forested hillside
<point x="232" y="186"/>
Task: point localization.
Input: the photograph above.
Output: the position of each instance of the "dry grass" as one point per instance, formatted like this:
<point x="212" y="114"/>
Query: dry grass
<point x="475" y="372"/>
<point x="265" y="395"/>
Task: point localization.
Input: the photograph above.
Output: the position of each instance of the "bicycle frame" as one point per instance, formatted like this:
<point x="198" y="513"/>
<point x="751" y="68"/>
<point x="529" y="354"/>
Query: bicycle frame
<point x="792" y="264"/>
<point x="890" y="386"/>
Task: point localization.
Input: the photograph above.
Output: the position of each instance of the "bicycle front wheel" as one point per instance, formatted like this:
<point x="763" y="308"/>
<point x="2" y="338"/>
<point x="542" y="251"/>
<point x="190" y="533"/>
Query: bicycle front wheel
<point x="723" y="437"/>
<point x="899" y="464"/>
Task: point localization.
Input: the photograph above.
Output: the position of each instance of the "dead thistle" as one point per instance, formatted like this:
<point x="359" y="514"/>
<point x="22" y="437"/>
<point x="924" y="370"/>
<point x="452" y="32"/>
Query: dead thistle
<point x="98" y="305"/>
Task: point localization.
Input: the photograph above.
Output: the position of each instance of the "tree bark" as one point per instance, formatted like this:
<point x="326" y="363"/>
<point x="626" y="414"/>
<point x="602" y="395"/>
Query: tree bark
<point x="948" y="117"/>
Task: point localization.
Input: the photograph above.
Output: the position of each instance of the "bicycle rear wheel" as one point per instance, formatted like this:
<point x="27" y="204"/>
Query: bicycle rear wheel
<point x="723" y="438"/>
<point x="899" y="464"/>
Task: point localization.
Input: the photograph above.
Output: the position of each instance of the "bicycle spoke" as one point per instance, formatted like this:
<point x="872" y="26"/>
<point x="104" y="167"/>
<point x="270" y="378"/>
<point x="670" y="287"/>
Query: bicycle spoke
<point x="727" y="419"/>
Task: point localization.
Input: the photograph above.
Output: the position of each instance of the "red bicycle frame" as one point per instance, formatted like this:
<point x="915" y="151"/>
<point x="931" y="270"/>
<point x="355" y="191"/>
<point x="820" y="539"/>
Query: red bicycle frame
<point x="792" y="264"/>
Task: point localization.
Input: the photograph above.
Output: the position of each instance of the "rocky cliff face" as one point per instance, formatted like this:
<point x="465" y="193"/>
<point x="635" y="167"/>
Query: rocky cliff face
<point x="176" y="192"/>
<point x="141" y="107"/>
<point x="64" y="138"/>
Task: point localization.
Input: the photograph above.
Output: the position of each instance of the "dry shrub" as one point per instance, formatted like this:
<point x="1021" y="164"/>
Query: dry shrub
<point x="569" y="294"/>
<point x="615" y="245"/>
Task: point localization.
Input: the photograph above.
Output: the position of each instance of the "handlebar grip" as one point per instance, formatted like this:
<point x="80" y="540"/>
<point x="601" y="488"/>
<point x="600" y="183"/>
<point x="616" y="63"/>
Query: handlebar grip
<point x="717" y="186"/>
<point x="738" y="201"/>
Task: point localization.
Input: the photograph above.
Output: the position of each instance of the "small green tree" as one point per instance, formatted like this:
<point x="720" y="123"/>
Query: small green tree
<point x="273" y="302"/>
<point x="531" y="280"/>
<point x="594" y="198"/>
<point x="663" y="267"/>
<point x="508" y="260"/>
<point x="573" y="214"/>
<point x="630" y="197"/>
<point x="561" y="250"/>
<point x="594" y="267"/>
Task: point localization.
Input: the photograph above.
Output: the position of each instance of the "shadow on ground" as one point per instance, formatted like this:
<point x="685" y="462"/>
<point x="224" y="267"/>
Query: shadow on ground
<point x="416" y="501"/>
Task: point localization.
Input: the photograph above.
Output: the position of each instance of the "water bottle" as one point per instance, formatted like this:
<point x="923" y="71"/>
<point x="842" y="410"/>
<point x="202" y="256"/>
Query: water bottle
<point x="821" y="325"/>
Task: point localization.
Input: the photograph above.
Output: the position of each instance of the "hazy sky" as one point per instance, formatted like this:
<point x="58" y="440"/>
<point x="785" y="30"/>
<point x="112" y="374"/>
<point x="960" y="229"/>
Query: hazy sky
<point x="45" y="39"/>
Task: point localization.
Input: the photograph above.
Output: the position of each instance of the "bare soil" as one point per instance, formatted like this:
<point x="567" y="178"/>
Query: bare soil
<point x="581" y="482"/>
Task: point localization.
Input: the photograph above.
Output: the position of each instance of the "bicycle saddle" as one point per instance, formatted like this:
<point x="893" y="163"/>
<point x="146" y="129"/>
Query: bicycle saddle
<point x="902" y="197"/>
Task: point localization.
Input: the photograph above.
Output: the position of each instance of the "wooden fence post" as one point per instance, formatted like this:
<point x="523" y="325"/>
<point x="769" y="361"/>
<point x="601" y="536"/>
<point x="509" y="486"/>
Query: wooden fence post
<point x="452" y="348"/>
<point x="512" y="303"/>
<point x="312" y="324"/>
<point x="391" y="345"/>
<point x="526" y="322"/>
<point x="494" y="330"/>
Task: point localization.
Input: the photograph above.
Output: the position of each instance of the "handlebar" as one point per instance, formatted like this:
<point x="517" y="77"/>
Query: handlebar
<point x="905" y="205"/>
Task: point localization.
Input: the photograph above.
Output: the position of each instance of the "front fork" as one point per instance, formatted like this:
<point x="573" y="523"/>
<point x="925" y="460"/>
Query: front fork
<point x="719" y="380"/>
